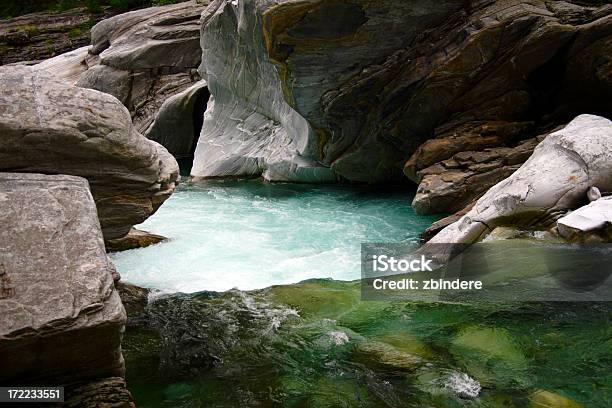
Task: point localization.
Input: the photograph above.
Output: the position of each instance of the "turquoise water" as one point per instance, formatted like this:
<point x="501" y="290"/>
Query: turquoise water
<point x="251" y="234"/>
<point x="317" y="343"/>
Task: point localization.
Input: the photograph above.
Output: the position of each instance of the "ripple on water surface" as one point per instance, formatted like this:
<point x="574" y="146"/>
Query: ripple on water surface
<point x="253" y="235"/>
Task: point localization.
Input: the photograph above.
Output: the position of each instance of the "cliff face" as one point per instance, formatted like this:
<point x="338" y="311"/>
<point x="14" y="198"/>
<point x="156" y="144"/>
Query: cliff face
<point x="348" y="89"/>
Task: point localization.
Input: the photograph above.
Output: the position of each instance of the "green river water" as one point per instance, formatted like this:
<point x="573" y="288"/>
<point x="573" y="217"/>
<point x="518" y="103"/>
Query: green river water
<point x="277" y="343"/>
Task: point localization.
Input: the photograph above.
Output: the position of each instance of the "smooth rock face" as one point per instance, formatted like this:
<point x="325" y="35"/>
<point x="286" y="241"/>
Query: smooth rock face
<point x="179" y="120"/>
<point x="62" y="318"/>
<point x="48" y="126"/>
<point x="68" y="67"/>
<point x="555" y="179"/>
<point x="318" y="91"/>
<point x="145" y="56"/>
<point x="588" y="221"/>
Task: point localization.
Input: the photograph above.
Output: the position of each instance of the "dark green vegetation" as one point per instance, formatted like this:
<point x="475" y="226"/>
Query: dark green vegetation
<point x="316" y="344"/>
<point x="12" y="8"/>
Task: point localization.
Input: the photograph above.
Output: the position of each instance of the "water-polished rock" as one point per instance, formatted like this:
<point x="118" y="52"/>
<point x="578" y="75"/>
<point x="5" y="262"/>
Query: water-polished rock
<point x="554" y="180"/>
<point x="591" y="223"/>
<point x="48" y="126"/>
<point x="62" y="318"/>
<point x="145" y="56"/>
<point x="320" y="91"/>
<point x="69" y="66"/>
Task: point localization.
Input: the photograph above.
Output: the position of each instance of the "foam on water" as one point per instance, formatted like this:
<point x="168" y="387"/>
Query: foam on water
<point x="251" y="235"/>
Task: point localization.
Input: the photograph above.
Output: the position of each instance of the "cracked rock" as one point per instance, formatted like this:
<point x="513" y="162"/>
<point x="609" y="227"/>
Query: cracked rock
<point x="62" y="318"/>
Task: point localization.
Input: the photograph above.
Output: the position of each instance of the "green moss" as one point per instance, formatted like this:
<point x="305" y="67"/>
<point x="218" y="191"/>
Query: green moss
<point x="74" y="33"/>
<point x="93" y="6"/>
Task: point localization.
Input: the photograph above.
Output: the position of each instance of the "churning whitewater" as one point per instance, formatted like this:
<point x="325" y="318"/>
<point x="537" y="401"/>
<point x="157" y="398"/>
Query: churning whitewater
<point x="251" y="235"/>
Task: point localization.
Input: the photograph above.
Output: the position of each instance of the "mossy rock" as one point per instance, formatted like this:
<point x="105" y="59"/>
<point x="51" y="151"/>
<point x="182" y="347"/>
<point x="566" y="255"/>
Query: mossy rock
<point x="405" y="342"/>
<point x="318" y="298"/>
<point x="491" y="356"/>
<point x="384" y="356"/>
<point x="499" y="400"/>
<point x="547" y="399"/>
<point x="337" y="393"/>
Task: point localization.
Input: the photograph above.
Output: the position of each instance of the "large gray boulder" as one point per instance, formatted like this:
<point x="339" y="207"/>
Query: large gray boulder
<point x="554" y="180"/>
<point x="348" y="90"/>
<point x="48" y="126"/>
<point x="62" y="318"/>
<point x="145" y="56"/>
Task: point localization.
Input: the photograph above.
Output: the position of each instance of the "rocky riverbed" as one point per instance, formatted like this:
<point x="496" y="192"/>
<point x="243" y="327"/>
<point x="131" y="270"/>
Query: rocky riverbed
<point x="317" y="344"/>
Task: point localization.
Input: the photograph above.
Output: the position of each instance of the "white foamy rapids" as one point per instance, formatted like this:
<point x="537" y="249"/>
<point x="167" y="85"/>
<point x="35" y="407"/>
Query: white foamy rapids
<point x="338" y="337"/>
<point x="462" y="385"/>
<point x="252" y="235"/>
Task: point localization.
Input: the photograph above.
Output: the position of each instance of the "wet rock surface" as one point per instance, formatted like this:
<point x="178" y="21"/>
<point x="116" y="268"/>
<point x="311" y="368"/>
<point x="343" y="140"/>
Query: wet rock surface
<point x="62" y="318"/>
<point x="134" y="239"/>
<point x="48" y="126"/>
<point x="134" y="299"/>
<point x="309" y="101"/>
<point x="107" y="392"/>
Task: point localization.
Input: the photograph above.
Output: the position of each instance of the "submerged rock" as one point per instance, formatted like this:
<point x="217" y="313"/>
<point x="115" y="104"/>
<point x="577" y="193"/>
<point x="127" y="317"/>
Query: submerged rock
<point x="387" y="356"/>
<point x="348" y="90"/>
<point x="547" y="399"/>
<point x="554" y="180"/>
<point x="62" y="318"/>
<point x="491" y="356"/>
<point x="440" y="382"/>
<point x="48" y="126"/>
